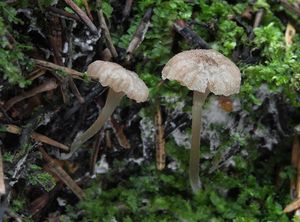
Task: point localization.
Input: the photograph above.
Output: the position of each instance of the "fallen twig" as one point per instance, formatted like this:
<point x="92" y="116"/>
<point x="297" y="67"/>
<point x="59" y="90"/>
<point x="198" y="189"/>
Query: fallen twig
<point x="291" y="7"/>
<point x="292" y="206"/>
<point x="3" y="113"/>
<point x="63" y="13"/>
<point x="36" y="73"/>
<point x="256" y="23"/>
<point x="105" y="29"/>
<point x="2" y="183"/>
<point x="139" y="35"/>
<point x="55" y="40"/>
<point x="47" y="86"/>
<point x="35" y="136"/>
<point x="59" y="172"/>
<point x="40" y="203"/>
<point x="75" y="91"/>
<point x="52" y="66"/>
<point x="297" y="213"/>
<point x="191" y="36"/>
<point x="127" y="9"/>
<point x="87" y="8"/>
<point x="294" y="162"/>
<point x="160" y="141"/>
<point x="13" y="215"/>
<point x="95" y="152"/>
<point x="258" y="17"/>
<point x="83" y="17"/>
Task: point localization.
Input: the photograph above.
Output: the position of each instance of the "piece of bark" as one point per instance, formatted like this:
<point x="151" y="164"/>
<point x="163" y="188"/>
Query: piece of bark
<point x="55" y="40"/>
<point x="160" y="140"/>
<point x="191" y="37"/>
<point x="83" y="17"/>
<point x="59" y="172"/>
<point x="47" y="86"/>
<point x="35" y="136"/>
<point x="67" y="82"/>
<point x="139" y="34"/>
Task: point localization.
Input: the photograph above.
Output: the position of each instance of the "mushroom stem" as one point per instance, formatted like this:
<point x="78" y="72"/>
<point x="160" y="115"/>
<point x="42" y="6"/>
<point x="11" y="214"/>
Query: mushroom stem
<point x="198" y="101"/>
<point x="112" y="101"/>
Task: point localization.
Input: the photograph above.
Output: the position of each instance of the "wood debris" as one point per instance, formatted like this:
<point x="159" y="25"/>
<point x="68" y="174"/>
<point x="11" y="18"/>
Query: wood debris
<point x="289" y="34"/>
<point x="47" y="86"/>
<point x="119" y="131"/>
<point x="160" y="140"/>
<point x="191" y="37"/>
<point x="83" y="17"/>
<point x="105" y="29"/>
<point x="2" y="183"/>
<point x="10" y="128"/>
<point x="139" y="35"/>
<point x="52" y="66"/>
<point x="60" y="173"/>
<point x="127" y="9"/>
<point x="295" y="183"/>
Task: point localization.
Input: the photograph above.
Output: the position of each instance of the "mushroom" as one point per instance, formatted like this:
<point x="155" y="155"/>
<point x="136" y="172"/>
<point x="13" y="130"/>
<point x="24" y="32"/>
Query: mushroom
<point x="202" y="71"/>
<point x="121" y="82"/>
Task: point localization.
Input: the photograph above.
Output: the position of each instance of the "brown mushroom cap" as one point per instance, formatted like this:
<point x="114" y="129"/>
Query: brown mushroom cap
<point x="201" y="69"/>
<point x="119" y="79"/>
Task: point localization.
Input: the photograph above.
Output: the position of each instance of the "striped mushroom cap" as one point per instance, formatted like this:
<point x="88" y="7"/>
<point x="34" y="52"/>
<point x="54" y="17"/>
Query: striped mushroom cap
<point x="119" y="79"/>
<point x="201" y="69"/>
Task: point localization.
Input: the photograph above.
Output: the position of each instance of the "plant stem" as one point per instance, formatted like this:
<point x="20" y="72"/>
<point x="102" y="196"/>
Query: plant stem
<point x="112" y="101"/>
<point x="198" y="101"/>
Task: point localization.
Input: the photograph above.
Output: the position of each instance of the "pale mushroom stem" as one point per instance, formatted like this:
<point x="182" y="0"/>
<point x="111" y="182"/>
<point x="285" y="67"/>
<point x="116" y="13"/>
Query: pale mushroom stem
<point x="198" y="101"/>
<point x="112" y="101"/>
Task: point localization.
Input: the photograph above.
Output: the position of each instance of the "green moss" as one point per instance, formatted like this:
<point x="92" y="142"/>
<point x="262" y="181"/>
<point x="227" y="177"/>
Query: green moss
<point x="36" y="176"/>
<point x="11" y="54"/>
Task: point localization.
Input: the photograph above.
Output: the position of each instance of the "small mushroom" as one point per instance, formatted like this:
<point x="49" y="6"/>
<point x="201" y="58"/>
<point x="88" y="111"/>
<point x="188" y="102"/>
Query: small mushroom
<point x="202" y="71"/>
<point x="121" y="82"/>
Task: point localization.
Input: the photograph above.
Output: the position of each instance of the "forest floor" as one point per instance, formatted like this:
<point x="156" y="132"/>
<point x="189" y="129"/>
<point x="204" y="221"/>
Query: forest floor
<point x="136" y="167"/>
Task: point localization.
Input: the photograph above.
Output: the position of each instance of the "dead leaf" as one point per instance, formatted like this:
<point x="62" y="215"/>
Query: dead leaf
<point x="225" y="103"/>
